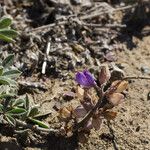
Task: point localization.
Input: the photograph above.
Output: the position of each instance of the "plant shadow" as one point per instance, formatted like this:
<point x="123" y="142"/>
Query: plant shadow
<point x="137" y="25"/>
<point x="62" y="143"/>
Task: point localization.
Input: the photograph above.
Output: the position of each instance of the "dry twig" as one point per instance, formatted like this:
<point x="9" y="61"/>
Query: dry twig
<point x="85" y="17"/>
<point x="36" y="85"/>
<point x="45" y="58"/>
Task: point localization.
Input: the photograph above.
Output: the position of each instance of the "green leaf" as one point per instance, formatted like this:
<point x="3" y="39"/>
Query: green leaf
<point x="8" y="61"/>
<point x="5" y="22"/>
<point x="6" y="103"/>
<point x="34" y="111"/>
<point x="7" y="81"/>
<point x="6" y="96"/>
<point x="10" y="33"/>
<point x="10" y="120"/>
<point x="18" y="102"/>
<point x="5" y="38"/>
<point x="1" y="70"/>
<point x="12" y="73"/>
<point x="39" y="123"/>
<point x="1" y="108"/>
<point x="17" y="111"/>
<point x="27" y="103"/>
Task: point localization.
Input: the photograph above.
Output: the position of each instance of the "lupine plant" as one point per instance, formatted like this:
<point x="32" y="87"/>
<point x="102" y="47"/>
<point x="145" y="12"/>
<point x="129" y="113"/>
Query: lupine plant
<point x="95" y="98"/>
<point x="14" y="110"/>
<point x="93" y="109"/>
<point x="6" y="33"/>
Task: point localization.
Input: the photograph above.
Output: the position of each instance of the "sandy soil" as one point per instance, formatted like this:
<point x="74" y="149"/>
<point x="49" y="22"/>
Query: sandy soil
<point x="131" y="128"/>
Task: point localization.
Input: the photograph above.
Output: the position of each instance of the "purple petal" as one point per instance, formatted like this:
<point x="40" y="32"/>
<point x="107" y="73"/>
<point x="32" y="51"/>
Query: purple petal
<point x="81" y="79"/>
<point x="89" y="77"/>
<point x="85" y="79"/>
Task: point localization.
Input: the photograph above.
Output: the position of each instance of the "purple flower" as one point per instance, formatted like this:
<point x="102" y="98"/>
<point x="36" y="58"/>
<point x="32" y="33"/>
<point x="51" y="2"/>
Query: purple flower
<point x="85" y="79"/>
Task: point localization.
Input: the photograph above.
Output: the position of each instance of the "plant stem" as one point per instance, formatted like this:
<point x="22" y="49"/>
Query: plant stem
<point x="99" y="104"/>
<point x="36" y="128"/>
<point x="136" y="78"/>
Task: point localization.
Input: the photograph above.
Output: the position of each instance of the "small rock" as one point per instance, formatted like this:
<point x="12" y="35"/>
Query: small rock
<point x="68" y="95"/>
<point x="116" y="73"/>
<point x="110" y="56"/>
<point x="148" y="96"/>
<point x="76" y="2"/>
<point x="145" y="69"/>
<point x="137" y="129"/>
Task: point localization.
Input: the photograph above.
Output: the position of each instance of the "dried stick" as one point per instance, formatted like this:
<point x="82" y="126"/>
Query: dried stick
<point x="136" y="78"/>
<point x="32" y="85"/>
<point x="106" y="12"/>
<point x="112" y="133"/>
<point x="39" y="29"/>
<point x="104" y="26"/>
<point x="45" y="58"/>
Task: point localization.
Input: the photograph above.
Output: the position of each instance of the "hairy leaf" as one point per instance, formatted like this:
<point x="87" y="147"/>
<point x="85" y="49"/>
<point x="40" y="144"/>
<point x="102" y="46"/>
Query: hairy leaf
<point x="34" y="111"/>
<point x="39" y="123"/>
<point x="1" y="70"/>
<point x="18" y="102"/>
<point x="12" y="73"/>
<point x="6" y="95"/>
<point x="17" y="111"/>
<point x="27" y="103"/>
<point x="5" y="22"/>
<point x="119" y="86"/>
<point x="8" y="33"/>
<point x="6" y="38"/>
<point x="8" y="61"/>
<point x="7" y="81"/>
<point x="104" y="74"/>
<point x="116" y="98"/>
<point x="10" y="120"/>
<point x="1" y="108"/>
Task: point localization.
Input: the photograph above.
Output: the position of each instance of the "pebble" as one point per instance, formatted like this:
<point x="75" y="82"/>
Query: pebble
<point x="76" y="2"/>
<point x="148" y="96"/>
<point x="145" y="69"/>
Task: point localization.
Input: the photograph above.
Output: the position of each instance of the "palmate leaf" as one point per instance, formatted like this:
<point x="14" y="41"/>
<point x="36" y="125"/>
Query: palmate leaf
<point x="9" y="33"/>
<point x="1" y="108"/>
<point x="33" y="111"/>
<point x="8" y="61"/>
<point x="5" y="22"/>
<point x="6" y="38"/>
<point x="14" y="73"/>
<point x="27" y="103"/>
<point x="39" y="123"/>
<point x="18" y="102"/>
<point x="1" y="70"/>
<point x="10" y="95"/>
<point x="7" y="81"/>
<point x="17" y="111"/>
